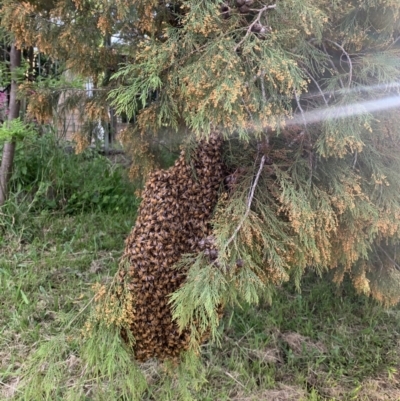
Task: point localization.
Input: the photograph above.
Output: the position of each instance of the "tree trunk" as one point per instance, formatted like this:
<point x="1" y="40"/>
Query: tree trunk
<point x="13" y="112"/>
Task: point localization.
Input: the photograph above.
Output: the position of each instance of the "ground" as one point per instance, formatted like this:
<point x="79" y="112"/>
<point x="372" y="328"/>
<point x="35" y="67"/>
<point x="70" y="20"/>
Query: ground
<point x="325" y="343"/>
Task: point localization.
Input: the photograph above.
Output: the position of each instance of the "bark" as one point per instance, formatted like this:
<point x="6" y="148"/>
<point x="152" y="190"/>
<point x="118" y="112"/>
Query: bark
<point x="13" y="112"/>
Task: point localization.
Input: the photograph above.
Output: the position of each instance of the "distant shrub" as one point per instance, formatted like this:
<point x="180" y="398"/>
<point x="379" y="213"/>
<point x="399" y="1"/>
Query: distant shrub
<point x="48" y="177"/>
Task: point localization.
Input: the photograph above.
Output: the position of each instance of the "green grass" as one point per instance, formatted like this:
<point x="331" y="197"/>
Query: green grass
<point x="323" y="344"/>
<point x="46" y="271"/>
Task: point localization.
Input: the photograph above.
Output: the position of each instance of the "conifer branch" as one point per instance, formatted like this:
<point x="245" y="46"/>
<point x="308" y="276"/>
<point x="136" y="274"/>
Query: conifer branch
<point x="333" y="65"/>
<point x="264" y="96"/>
<point x="317" y="85"/>
<point x="395" y="41"/>
<point x="81" y="311"/>
<point x="72" y="89"/>
<point x="249" y="202"/>
<point x="300" y="108"/>
<point x="355" y="159"/>
<point x="156" y="142"/>
<point x="396" y="265"/>
<point x="248" y="110"/>
<point x="311" y="154"/>
<point x="348" y="59"/>
<point x="256" y="20"/>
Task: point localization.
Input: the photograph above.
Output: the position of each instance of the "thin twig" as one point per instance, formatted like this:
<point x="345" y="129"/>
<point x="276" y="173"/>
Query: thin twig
<point x="249" y="201"/>
<point x="355" y="159"/>
<point x="6" y="51"/>
<point x="247" y="109"/>
<point x="165" y="147"/>
<point x="316" y="84"/>
<point x="348" y="59"/>
<point x="257" y="20"/>
<point x="379" y="258"/>
<point x="395" y="41"/>
<point x="300" y="108"/>
<point x="79" y="90"/>
<point x="396" y="265"/>
<point x="81" y="311"/>
<point x="13" y="388"/>
<point x="264" y="96"/>
<point x="237" y="381"/>
<point x="333" y="65"/>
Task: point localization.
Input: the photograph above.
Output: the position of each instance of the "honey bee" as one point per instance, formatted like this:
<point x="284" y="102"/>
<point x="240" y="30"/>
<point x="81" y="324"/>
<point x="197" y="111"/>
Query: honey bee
<point x="153" y="260"/>
<point x="148" y="247"/>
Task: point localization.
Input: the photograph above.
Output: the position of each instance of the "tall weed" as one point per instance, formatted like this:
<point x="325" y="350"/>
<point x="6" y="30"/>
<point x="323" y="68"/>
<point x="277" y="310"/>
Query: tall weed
<point x="48" y="176"/>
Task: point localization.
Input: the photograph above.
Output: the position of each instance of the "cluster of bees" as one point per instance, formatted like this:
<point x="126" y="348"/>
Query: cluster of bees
<point x="173" y="219"/>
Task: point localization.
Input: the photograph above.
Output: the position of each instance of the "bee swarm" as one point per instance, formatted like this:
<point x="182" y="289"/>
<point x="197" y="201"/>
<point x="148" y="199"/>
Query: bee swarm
<point x="173" y="219"/>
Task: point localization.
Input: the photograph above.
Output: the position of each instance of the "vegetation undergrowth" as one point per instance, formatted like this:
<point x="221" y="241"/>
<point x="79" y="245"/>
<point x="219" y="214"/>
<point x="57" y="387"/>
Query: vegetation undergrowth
<point x="49" y="176"/>
<point x="325" y="343"/>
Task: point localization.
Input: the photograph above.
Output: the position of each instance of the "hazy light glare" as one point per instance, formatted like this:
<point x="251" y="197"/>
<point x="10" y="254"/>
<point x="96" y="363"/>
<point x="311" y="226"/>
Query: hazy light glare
<point x="335" y="112"/>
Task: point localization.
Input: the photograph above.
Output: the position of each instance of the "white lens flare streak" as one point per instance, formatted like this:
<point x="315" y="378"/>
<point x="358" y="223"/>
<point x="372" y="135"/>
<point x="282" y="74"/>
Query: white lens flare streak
<point x="336" y="112"/>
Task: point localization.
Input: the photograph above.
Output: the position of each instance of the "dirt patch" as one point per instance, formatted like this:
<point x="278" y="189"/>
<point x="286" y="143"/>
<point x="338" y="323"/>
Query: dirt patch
<point x="267" y="355"/>
<point x="8" y="390"/>
<point x="281" y="393"/>
<point x="379" y="390"/>
<point x="299" y="343"/>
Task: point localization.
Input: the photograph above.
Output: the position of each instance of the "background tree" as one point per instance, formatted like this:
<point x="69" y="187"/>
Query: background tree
<point x="73" y="37"/>
<point x="13" y="113"/>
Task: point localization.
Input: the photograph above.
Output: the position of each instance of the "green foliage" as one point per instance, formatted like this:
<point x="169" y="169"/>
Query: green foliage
<point x="49" y="177"/>
<point x="101" y="356"/>
<point x="311" y="91"/>
<point x="6" y="76"/>
<point x="47" y="263"/>
<point x="16" y="130"/>
<point x="322" y="344"/>
<point x="328" y="198"/>
<point x="195" y="305"/>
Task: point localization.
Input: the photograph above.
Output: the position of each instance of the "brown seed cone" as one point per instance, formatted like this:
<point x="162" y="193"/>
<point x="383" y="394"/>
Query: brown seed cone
<point x="225" y="11"/>
<point x="174" y="215"/>
<point x="257" y="28"/>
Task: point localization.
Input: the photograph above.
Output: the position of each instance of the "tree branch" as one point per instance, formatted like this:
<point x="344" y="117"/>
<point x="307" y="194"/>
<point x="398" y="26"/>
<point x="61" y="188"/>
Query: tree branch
<point x="249" y="202"/>
<point x="317" y="85"/>
<point x="257" y="20"/>
<point x="264" y="95"/>
<point x="395" y="41"/>
<point x="348" y="59"/>
<point x="333" y="65"/>
<point x="300" y="108"/>
<point x="355" y="159"/>
<point x="396" y="265"/>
